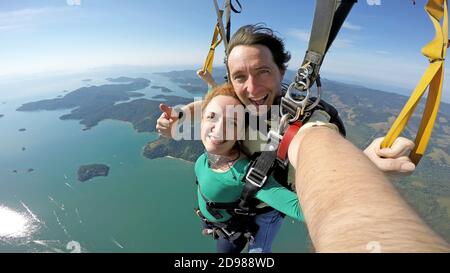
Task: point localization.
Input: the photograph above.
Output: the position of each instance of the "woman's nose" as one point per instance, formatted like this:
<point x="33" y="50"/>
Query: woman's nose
<point x="219" y="127"/>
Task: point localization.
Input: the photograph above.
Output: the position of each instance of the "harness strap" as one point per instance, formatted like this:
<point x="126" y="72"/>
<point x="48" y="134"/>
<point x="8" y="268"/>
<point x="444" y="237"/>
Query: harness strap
<point x="256" y="177"/>
<point x="291" y="131"/>
<point x="329" y="16"/>
<point x="214" y="43"/>
<point x="343" y="9"/>
<point x="228" y="19"/>
<point x="320" y="32"/>
<point x="433" y="77"/>
<point x="231" y="229"/>
<point x="212" y="206"/>
<point x="220" y="23"/>
<point x="234" y="9"/>
<point x="231" y="207"/>
<point x="229" y="7"/>
<point x="218" y="205"/>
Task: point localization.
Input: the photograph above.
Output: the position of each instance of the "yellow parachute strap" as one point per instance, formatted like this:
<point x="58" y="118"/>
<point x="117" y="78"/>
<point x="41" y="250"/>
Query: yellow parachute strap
<point x="433" y="77"/>
<point x="218" y="30"/>
<point x="214" y="43"/>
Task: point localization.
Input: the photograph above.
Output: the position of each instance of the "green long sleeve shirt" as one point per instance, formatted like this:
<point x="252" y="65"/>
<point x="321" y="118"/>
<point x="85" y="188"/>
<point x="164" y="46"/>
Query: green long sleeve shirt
<point x="227" y="187"/>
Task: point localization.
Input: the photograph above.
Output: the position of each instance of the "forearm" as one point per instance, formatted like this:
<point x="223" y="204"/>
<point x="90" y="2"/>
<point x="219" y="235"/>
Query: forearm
<point x="348" y="203"/>
<point x="281" y="199"/>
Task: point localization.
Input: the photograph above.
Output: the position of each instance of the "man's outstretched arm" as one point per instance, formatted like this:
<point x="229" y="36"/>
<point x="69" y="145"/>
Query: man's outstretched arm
<point x="348" y="204"/>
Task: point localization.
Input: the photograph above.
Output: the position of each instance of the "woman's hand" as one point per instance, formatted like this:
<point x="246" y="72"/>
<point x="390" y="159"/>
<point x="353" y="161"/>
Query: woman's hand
<point x="166" y="120"/>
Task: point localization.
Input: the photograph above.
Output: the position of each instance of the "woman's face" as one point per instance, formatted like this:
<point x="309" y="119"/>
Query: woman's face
<point x="219" y="125"/>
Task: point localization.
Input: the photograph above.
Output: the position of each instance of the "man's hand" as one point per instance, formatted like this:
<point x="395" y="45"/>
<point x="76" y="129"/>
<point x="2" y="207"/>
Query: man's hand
<point x="206" y="77"/>
<point x="394" y="159"/>
<point x="166" y="120"/>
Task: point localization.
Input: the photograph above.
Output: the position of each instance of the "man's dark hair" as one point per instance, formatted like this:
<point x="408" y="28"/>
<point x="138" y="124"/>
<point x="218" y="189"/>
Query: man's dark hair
<point x="250" y="35"/>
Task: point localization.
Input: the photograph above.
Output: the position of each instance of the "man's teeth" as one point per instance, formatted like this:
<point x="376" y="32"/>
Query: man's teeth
<point x="259" y="101"/>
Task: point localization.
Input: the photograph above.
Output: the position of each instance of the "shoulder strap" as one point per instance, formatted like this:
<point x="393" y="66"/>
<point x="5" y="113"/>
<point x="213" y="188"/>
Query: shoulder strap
<point x="328" y="19"/>
<point x="257" y="174"/>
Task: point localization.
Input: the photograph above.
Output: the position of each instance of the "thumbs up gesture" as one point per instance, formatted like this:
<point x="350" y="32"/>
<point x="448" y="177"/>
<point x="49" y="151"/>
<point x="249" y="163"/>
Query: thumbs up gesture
<point x="165" y="122"/>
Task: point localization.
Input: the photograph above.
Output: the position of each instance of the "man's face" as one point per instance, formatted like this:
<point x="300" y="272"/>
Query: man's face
<point x="255" y="76"/>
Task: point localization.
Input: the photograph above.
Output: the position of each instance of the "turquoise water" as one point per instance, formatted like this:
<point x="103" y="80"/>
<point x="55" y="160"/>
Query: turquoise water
<point x="141" y="206"/>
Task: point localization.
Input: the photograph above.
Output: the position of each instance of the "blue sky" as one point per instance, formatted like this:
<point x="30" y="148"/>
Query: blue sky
<point x="379" y="44"/>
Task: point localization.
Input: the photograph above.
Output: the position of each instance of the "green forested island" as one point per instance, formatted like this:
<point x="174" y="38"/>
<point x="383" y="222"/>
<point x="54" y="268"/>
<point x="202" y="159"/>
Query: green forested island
<point x="184" y="149"/>
<point x="93" y="104"/>
<point x="87" y="172"/>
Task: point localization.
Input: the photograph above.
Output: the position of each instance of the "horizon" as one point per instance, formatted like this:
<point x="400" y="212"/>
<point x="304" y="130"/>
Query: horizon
<point x="378" y="45"/>
<point x="4" y="81"/>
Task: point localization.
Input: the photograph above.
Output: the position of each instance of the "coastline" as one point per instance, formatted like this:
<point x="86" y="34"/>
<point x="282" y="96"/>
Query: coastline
<point x="172" y="157"/>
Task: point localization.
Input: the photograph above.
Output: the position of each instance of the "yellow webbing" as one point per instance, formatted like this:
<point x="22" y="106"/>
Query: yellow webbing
<point x="214" y="43"/>
<point x="433" y="77"/>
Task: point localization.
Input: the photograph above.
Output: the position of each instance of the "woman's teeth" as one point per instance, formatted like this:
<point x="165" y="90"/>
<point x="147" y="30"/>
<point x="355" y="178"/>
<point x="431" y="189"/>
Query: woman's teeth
<point x="215" y="140"/>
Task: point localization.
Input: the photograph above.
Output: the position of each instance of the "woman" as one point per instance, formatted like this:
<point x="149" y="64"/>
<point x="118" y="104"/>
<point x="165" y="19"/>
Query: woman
<point x="220" y="172"/>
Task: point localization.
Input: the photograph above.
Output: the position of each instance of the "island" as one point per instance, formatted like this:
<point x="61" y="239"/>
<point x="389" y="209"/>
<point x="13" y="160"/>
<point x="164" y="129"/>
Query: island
<point x="163" y="89"/>
<point x="1" y="115"/>
<point x="22" y="130"/>
<point x="127" y="79"/>
<point x="87" y="80"/>
<point x="188" y="150"/>
<point x="87" y="172"/>
<point x="23" y="148"/>
<point x="30" y="170"/>
<point x="93" y="104"/>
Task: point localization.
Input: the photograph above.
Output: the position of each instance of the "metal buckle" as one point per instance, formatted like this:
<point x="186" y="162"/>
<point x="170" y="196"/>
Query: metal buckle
<point x="240" y="211"/>
<point x="232" y="235"/>
<point x="255" y="175"/>
<point x="274" y="140"/>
